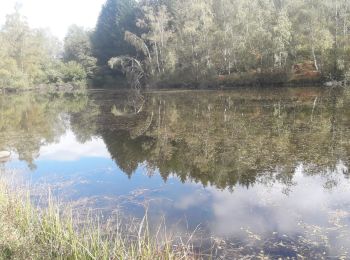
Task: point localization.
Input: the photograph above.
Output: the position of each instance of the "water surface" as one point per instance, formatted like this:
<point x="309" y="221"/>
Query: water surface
<point x="252" y="170"/>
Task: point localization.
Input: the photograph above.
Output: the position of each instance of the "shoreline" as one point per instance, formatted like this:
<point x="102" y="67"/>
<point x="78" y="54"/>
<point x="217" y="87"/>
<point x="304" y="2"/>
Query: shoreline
<point x="184" y="87"/>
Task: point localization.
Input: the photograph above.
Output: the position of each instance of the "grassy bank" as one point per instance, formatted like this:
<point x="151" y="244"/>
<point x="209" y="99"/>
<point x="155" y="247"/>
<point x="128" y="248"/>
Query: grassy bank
<point x="27" y="232"/>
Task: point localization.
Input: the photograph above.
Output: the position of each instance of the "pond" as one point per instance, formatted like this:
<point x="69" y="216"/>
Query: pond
<point x="255" y="171"/>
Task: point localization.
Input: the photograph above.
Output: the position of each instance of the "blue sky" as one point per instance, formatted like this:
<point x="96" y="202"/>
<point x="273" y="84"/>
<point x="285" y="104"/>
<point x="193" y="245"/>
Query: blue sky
<point x="57" y="15"/>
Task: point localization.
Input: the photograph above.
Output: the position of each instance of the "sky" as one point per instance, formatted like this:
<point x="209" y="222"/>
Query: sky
<point x="56" y="15"/>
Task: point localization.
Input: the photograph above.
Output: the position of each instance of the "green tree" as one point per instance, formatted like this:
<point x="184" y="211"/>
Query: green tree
<point x="77" y="47"/>
<point x="30" y="57"/>
<point x="116" y="17"/>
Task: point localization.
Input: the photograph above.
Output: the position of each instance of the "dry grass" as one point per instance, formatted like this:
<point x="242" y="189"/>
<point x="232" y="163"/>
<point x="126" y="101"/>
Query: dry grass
<point x="27" y="232"/>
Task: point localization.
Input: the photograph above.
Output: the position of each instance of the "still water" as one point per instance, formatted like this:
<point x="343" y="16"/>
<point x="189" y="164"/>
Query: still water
<point x="255" y="171"/>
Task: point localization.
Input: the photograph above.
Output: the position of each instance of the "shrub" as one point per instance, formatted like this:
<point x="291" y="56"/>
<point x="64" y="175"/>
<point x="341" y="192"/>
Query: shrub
<point x="70" y="72"/>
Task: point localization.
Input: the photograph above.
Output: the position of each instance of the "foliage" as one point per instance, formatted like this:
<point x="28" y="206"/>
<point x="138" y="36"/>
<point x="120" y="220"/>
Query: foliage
<point x="115" y="18"/>
<point x="197" y="41"/>
<point x="186" y="43"/>
<point x="29" y="57"/>
<point x="131" y="67"/>
<point x="73" y="72"/>
<point x="77" y="47"/>
<point x="70" y="72"/>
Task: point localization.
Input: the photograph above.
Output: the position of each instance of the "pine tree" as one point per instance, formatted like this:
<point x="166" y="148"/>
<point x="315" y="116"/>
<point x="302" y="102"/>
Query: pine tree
<point x="116" y="17"/>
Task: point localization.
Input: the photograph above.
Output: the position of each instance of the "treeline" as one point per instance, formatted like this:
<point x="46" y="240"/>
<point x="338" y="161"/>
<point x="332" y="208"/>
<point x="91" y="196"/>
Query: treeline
<point x="199" y="41"/>
<point x="30" y="57"/>
<point x="186" y="43"/>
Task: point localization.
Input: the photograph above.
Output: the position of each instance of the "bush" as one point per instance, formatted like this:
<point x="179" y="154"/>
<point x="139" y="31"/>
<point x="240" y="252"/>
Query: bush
<point x="11" y="76"/>
<point x="70" y="72"/>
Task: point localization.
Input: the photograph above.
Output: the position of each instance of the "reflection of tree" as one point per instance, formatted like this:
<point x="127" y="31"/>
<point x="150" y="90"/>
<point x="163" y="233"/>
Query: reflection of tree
<point x="127" y="152"/>
<point x="29" y="121"/>
<point x="218" y="138"/>
<point x="225" y="139"/>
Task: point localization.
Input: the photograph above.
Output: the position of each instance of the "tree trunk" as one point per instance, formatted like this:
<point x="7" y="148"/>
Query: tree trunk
<point x="314" y="57"/>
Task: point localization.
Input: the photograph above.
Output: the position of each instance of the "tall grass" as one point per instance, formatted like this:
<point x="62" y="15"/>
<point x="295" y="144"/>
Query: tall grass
<point x="27" y="232"/>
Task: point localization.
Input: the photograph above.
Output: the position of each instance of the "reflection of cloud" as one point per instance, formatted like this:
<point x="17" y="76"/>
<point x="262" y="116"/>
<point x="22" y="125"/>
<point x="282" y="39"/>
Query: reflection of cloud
<point x="264" y="210"/>
<point x="69" y="149"/>
<point x="186" y="202"/>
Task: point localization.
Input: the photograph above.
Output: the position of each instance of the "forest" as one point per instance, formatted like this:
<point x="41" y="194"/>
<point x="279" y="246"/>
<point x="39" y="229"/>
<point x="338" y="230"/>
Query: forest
<point x="179" y="43"/>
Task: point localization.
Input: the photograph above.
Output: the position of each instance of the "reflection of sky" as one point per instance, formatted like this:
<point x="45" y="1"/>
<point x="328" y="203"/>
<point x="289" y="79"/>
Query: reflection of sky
<point x="69" y="149"/>
<point x="86" y="171"/>
<point x="268" y="209"/>
<point x="264" y="210"/>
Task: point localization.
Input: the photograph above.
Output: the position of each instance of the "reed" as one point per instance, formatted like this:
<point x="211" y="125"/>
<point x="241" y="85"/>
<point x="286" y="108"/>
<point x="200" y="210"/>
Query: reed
<point x="30" y="232"/>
